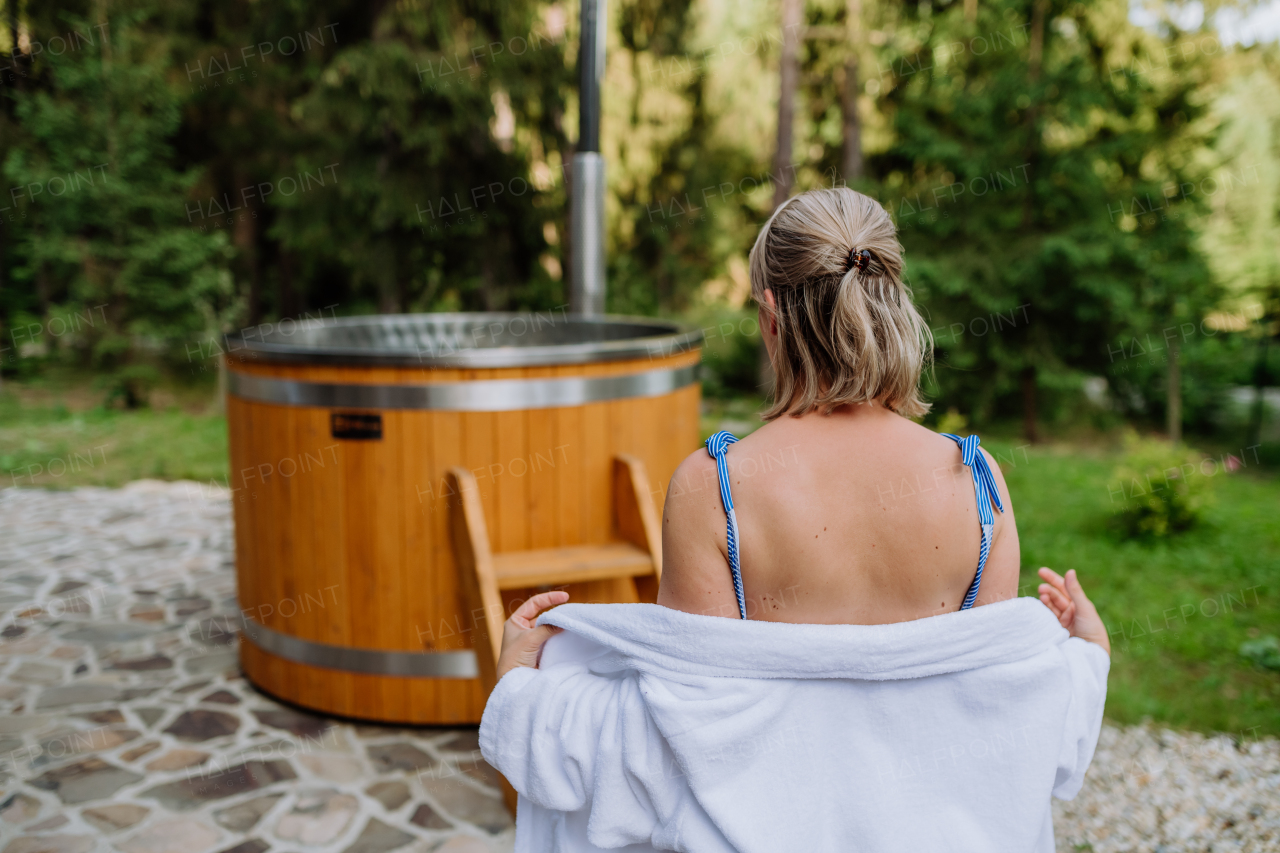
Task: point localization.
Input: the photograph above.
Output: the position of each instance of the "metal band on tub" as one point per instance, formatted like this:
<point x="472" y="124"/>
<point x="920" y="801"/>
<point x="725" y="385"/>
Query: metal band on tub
<point x="484" y="395"/>
<point x="456" y="664"/>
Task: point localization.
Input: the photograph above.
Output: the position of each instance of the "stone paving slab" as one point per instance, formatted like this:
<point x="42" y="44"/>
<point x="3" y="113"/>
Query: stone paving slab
<point x="126" y="726"/>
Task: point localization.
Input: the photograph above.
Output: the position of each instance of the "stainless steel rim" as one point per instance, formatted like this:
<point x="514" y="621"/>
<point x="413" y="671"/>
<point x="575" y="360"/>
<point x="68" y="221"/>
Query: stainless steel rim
<point x="464" y="340"/>
<point x="489" y="395"/>
<point x="457" y="664"/>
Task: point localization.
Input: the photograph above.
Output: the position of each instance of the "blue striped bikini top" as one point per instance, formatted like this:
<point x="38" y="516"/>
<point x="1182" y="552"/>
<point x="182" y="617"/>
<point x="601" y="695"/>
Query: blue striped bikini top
<point x="984" y="486"/>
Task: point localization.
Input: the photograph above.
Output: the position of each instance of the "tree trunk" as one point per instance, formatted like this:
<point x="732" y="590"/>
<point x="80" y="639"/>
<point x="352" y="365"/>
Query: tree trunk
<point x="852" y="154"/>
<point x="388" y="292"/>
<point x="15" y="54"/>
<point x="567" y="237"/>
<point x="105" y="32"/>
<point x="6" y="353"/>
<point x="789" y="79"/>
<point x="1173" y="412"/>
<point x="1035" y="49"/>
<point x="1259" y="392"/>
<point x="218" y="406"/>
<point x="1029" y="404"/>
<point x="43" y="290"/>
<point x="245" y="237"/>
<point x="971" y="10"/>
<point x="1035" y="57"/>
<point x="566" y="233"/>
<point x="112" y="289"/>
<point x="289" y="306"/>
<point x="11" y="8"/>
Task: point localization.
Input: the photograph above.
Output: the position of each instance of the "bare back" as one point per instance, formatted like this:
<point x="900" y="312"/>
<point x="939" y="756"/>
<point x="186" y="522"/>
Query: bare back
<point x="857" y="517"/>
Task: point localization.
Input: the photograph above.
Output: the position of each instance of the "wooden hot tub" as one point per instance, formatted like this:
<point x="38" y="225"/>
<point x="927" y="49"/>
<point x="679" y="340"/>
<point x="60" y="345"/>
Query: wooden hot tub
<point x="341" y="434"/>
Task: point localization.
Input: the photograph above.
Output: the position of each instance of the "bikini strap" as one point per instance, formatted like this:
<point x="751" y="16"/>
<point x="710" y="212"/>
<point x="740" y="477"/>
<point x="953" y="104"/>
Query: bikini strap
<point x="717" y="445"/>
<point x="984" y="487"/>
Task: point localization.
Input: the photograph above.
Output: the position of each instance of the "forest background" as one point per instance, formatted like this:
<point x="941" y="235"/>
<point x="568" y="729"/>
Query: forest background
<point x="1089" y="208"/>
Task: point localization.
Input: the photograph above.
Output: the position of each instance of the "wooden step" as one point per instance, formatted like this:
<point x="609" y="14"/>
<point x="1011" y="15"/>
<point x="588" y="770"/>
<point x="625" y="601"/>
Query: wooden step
<point x="556" y="566"/>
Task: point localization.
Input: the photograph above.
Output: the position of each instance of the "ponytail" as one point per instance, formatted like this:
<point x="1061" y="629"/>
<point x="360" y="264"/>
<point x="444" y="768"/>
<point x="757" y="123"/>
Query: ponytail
<point x="848" y="331"/>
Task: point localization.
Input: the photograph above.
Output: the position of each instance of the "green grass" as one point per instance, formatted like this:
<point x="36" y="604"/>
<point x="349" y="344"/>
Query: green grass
<point x="55" y="445"/>
<point x="1178" y="610"/>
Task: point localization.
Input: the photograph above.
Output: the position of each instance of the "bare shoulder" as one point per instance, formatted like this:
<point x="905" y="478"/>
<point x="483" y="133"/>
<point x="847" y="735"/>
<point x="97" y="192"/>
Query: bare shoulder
<point x="771" y="447"/>
<point x="694" y="578"/>
<point x="924" y="434"/>
<point x="694" y="479"/>
<point x="949" y="447"/>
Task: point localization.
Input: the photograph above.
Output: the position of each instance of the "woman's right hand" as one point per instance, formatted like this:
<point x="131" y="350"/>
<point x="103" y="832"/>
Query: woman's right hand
<point x="522" y="639"/>
<point x="1066" y="598"/>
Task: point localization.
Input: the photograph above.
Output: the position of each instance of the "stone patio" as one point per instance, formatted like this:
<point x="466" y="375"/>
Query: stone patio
<point x="125" y="724"/>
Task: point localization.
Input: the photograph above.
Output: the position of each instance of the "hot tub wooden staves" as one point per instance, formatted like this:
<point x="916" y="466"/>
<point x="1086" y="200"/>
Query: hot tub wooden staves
<point x="341" y="445"/>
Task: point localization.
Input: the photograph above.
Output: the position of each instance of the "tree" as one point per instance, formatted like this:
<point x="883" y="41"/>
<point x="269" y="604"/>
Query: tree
<point x="689" y="190"/>
<point x="788" y="83"/>
<point x="440" y="200"/>
<point x="1242" y="234"/>
<point x="852" y="136"/>
<point x="1030" y="176"/>
<point x="377" y="157"/>
<point x="101" y="200"/>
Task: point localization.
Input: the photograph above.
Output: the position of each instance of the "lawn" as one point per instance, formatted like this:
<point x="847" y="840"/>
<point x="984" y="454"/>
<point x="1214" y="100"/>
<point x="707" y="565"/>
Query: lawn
<point x="54" y="433"/>
<point x="1178" y="610"/>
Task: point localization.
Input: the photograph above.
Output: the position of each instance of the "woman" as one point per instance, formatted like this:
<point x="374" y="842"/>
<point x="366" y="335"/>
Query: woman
<point x="913" y="702"/>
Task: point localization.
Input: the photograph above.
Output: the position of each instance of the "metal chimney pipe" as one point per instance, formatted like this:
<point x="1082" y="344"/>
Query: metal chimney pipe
<point x="586" y="203"/>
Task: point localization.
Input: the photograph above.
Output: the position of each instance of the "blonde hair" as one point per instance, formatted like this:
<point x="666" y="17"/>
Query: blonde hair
<point x="845" y="335"/>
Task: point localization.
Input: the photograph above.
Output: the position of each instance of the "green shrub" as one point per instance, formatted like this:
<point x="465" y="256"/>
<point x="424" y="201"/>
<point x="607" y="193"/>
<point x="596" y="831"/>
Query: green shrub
<point x="952" y="422"/>
<point x="1161" y="486"/>
<point x="731" y="353"/>
<point x="1264" y="651"/>
<point x="130" y="386"/>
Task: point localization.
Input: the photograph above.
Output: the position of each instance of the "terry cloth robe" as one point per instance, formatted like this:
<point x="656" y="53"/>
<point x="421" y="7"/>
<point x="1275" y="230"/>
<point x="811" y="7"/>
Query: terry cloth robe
<point x="647" y="728"/>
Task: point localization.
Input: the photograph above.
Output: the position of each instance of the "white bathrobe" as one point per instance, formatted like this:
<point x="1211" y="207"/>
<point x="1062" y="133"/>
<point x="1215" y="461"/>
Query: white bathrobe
<point x="647" y="728"/>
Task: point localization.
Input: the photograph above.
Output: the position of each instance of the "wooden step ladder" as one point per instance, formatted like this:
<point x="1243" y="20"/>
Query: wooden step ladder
<point x="634" y="556"/>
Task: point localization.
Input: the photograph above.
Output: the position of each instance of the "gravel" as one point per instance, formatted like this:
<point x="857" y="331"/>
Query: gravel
<point x="1152" y="789"/>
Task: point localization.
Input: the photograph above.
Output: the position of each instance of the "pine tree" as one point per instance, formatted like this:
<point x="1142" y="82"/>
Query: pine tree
<point x="1242" y="235"/>
<point x="443" y="126"/>
<point x="102" y="197"/>
<point x="1035" y="177"/>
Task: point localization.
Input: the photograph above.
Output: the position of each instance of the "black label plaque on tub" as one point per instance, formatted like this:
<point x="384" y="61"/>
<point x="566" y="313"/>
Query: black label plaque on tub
<point x="356" y="425"/>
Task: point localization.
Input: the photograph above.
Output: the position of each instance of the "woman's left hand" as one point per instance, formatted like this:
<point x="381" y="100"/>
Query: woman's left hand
<point x="1075" y="612"/>
<point x="521" y="640"/>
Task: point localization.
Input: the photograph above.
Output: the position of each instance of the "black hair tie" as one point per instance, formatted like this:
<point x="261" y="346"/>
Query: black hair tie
<point x="858" y="260"/>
